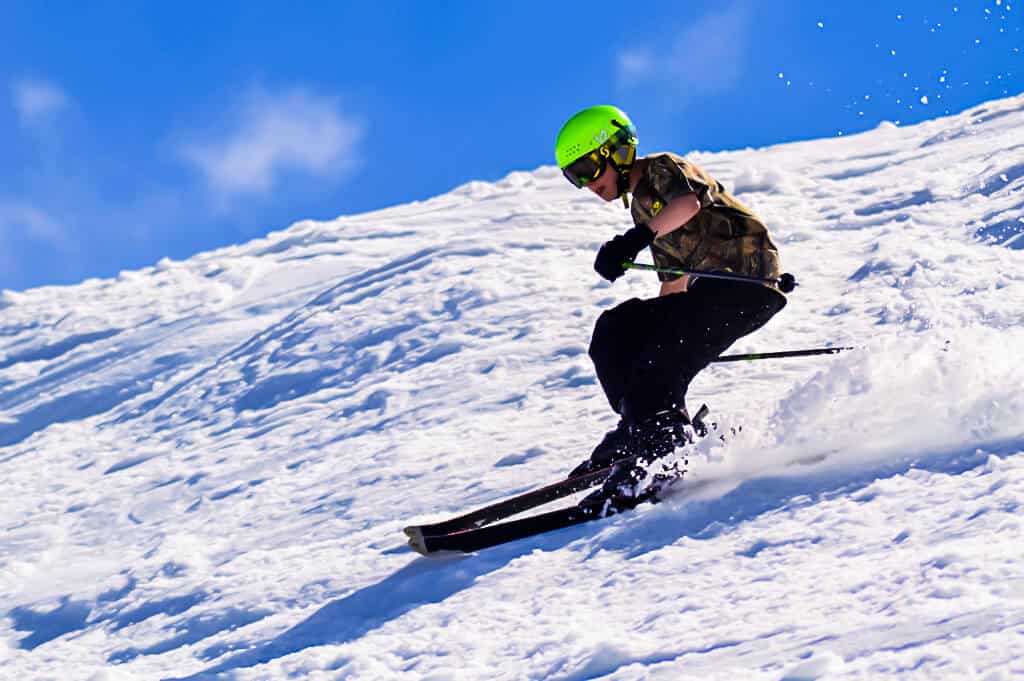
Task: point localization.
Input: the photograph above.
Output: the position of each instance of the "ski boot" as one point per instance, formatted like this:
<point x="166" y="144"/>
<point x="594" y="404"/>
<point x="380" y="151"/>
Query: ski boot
<point x="616" y="445"/>
<point x="652" y="439"/>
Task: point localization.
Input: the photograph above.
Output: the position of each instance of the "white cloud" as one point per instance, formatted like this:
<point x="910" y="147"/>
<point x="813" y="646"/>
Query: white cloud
<point x="35" y="99"/>
<point x="25" y="222"/>
<point x="31" y="239"/>
<point x="635" y="63"/>
<point x="294" y="131"/>
<point x="703" y="57"/>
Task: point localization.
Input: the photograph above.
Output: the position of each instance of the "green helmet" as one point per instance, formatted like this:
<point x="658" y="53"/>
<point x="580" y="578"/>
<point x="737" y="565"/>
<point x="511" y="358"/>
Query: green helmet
<point x="589" y="129"/>
<point x="591" y="140"/>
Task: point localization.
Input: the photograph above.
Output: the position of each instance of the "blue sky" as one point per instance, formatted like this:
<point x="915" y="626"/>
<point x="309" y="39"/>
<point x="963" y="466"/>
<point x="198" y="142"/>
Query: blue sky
<point x="135" y="131"/>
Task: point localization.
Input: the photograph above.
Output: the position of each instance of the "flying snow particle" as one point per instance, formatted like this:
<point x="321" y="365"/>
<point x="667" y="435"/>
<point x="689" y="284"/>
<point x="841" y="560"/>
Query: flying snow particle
<point x="924" y="99"/>
<point x="821" y="24"/>
<point x="781" y="75"/>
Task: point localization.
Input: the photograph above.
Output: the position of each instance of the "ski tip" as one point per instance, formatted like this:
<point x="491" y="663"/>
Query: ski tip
<point x="416" y="540"/>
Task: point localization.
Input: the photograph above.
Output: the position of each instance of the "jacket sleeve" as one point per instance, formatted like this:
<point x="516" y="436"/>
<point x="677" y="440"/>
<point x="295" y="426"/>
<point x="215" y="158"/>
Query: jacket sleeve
<point x="670" y="179"/>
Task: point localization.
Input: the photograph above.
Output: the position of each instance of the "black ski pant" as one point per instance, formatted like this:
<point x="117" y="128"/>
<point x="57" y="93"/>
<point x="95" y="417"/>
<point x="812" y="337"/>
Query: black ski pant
<point x="646" y="352"/>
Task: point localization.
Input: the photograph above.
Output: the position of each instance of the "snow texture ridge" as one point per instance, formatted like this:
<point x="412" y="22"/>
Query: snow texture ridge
<point x="206" y="464"/>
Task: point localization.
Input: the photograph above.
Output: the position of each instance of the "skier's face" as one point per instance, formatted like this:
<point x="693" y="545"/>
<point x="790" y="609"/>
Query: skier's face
<point x="607" y="185"/>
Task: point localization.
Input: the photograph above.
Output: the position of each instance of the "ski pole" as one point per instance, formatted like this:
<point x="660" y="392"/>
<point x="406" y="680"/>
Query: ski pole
<point x="775" y="355"/>
<point x="786" y="282"/>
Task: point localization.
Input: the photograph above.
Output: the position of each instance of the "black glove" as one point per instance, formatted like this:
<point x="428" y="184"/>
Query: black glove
<point x="623" y="248"/>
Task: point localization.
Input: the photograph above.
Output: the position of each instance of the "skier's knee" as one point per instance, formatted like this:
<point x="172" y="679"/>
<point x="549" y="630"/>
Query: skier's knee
<point x="604" y="330"/>
<point x="612" y="323"/>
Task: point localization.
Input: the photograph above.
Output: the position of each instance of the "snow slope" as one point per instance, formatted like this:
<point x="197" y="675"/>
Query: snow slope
<point x="205" y="466"/>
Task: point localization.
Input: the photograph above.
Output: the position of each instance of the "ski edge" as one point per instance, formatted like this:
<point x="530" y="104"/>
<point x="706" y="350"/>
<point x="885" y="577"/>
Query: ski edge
<point x="520" y="503"/>
<point x="477" y="539"/>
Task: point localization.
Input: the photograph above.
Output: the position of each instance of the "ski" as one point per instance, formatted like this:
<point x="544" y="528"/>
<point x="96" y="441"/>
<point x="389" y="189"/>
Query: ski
<point x="533" y="498"/>
<point x="514" y="505"/>
<point x="470" y="540"/>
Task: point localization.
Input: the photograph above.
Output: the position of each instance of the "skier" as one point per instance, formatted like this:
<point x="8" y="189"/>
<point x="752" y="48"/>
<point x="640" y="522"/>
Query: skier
<point x="646" y="352"/>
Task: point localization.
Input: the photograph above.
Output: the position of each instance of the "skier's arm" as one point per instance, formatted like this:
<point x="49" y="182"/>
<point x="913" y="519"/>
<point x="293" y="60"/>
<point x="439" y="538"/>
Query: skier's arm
<point x="675" y="214"/>
<point x="679" y="285"/>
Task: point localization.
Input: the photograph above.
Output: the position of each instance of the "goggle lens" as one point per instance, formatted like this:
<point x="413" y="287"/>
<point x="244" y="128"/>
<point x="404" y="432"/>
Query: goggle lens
<point x="585" y="169"/>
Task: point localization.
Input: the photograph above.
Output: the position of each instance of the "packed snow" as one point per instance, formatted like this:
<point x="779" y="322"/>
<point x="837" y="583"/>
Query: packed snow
<point x="205" y="466"/>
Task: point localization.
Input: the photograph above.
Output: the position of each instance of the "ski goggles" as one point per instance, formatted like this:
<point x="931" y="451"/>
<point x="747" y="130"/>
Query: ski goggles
<point x="586" y="169"/>
<point x="620" y="149"/>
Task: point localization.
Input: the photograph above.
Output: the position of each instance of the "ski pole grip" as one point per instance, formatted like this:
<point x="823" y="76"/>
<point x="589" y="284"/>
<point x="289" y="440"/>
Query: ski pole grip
<point x="787" y="282"/>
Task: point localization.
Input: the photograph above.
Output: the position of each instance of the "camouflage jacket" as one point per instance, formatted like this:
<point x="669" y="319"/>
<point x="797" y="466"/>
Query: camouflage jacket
<point x="724" y="236"/>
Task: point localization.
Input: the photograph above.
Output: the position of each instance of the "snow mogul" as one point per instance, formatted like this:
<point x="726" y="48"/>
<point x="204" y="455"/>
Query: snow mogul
<point x="646" y="352"/>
